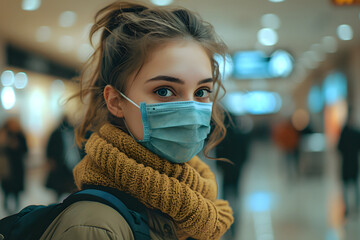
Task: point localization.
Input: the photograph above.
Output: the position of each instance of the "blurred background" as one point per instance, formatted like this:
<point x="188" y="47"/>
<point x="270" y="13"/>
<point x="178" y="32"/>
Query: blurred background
<point x="292" y="78"/>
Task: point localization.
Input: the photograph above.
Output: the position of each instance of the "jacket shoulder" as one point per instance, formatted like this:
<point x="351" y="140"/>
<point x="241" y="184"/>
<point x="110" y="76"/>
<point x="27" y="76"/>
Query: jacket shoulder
<point x="88" y="220"/>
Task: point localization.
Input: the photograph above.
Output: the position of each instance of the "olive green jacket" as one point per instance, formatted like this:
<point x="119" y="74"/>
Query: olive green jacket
<point x="92" y="220"/>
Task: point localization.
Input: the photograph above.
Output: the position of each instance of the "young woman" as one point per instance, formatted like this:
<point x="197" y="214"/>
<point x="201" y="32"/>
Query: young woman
<point x="152" y="97"/>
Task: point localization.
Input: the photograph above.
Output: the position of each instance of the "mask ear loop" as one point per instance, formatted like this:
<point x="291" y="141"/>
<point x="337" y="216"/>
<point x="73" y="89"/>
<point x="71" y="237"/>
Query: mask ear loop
<point x="128" y="129"/>
<point x="131" y="101"/>
<point x="123" y="95"/>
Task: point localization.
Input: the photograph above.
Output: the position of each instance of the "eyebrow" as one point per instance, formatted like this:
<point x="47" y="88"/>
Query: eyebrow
<point x="176" y="80"/>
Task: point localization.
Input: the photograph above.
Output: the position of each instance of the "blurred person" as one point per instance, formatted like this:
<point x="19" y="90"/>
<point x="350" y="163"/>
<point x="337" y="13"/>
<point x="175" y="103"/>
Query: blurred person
<point x="349" y="146"/>
<point x="14" y="148"/>
<point x="62" y="154"/>
<point x="287" y="139"/>
<point x="150" y="110"/>
<point x="234" y="147"/>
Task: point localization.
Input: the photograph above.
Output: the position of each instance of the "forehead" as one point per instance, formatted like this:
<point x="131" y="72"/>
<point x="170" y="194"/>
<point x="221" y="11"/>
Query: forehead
<point x="181" y="58"/>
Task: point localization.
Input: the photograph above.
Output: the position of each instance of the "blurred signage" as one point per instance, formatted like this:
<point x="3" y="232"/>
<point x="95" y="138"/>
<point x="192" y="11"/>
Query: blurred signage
<point x="258" y="65"/>
<point x="345" y="2"/>
<point x="253" y="102"/>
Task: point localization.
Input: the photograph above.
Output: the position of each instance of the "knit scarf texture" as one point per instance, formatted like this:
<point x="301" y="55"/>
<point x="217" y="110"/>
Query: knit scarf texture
<point x="185" y="192"/>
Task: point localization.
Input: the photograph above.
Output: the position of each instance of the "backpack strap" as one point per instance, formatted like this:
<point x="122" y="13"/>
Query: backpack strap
<point x="31" y="222"/>
<point x="137" y="221"/>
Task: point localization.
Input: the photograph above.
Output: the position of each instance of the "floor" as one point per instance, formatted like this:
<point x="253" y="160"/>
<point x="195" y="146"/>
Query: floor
<point x="272" y="206"/>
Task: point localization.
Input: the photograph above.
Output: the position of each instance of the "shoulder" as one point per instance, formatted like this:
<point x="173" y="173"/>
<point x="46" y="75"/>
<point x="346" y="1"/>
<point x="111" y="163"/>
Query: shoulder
<point x="88" y="220"/>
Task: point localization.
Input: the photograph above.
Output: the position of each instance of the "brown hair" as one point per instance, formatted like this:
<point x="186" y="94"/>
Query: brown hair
<point x="128" y="31"/>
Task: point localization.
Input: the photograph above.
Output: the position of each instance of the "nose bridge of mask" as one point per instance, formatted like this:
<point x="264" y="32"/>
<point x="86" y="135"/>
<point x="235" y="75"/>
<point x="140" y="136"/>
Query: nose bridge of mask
<point x="193" y="118"/>
<point x="188" y="113"/>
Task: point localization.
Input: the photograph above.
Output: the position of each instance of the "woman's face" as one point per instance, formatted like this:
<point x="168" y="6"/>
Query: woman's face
<point x="176" y="71"/>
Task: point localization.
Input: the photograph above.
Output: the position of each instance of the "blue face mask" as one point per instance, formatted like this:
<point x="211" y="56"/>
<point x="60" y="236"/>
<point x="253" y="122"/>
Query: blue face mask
<point x="175" y="130"/>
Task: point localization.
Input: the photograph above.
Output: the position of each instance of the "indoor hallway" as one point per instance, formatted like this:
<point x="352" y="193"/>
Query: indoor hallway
<point x="308" y="207"/>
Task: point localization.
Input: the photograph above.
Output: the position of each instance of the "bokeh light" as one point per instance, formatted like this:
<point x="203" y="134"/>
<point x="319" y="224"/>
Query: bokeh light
<point x="267" y="37"/>
<point x="345" y="32"/>
<point x="67" y="19"/>
<point x="330" y="44"/>
<point x="262" y="102"/>
<point x="162" y="2"/>
<point x="7" y="78"/>
<point x="8" y="98"/>
<point x="31" y="5"/>
<point x="270" y="20"/>
<point x="234" y="103"/>
<point x="280" y="64"/>
<point x="21" y="80"/>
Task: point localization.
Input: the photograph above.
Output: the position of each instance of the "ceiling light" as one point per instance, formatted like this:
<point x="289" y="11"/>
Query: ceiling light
<point x="270" y="20"/>
<point x="267" y="37"/>
<point x="329" y="43"/>
<point x="345" y="32"/>
<point x="30" y="5"/>
<point x="312" y="55"/>
<point x="161" y="2"/>
<point x="67" y="19"/>
<point x="7" y="78"/>
<point x="43" y="34"/>
<point x="8" y="98"/>
<point x="318" y="49"/>
<point x="309" y="60"/>
<point x="21" y="80"/>
<point x="281" y="64"/>
<point x="276" y="1"/>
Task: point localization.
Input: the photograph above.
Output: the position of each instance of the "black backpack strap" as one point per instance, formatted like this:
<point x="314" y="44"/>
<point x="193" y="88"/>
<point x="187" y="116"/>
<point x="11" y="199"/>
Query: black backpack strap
<point x="29" y="223"/>
<point x="137" y="221"/>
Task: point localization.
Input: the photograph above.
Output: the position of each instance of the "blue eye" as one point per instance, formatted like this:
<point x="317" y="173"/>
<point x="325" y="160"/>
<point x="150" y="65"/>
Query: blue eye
<point x="202" y="93"/>
<point x="164" y="92"/>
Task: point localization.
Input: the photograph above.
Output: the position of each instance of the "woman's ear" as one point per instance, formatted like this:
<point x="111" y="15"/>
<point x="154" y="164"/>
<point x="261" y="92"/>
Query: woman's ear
<point x="113" y="101"/>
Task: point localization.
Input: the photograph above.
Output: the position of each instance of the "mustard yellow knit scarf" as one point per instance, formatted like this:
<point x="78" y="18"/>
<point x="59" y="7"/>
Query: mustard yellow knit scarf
<point x="185" y="192"/>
